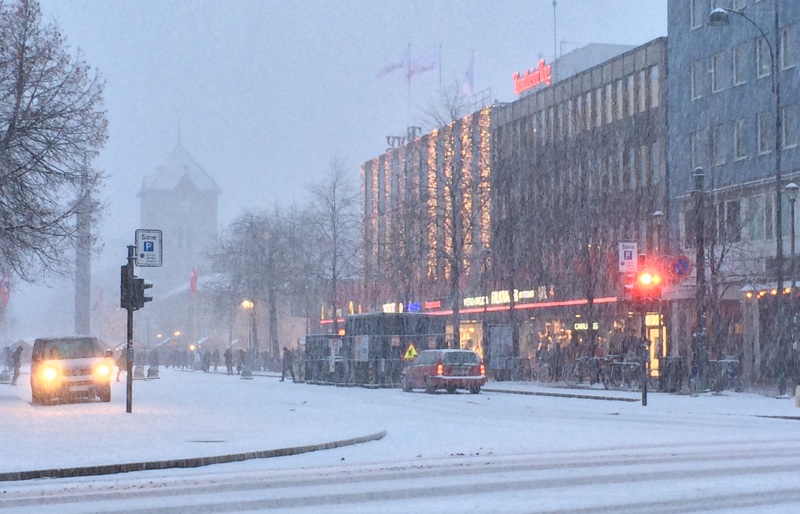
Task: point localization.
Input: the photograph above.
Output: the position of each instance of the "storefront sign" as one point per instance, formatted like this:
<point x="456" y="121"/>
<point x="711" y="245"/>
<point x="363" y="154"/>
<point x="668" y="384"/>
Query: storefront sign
<point x="584" y="325"/>
<point x="532" y="77"/>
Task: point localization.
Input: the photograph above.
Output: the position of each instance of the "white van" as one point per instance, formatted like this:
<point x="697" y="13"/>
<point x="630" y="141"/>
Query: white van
<point x="68" y="369"/>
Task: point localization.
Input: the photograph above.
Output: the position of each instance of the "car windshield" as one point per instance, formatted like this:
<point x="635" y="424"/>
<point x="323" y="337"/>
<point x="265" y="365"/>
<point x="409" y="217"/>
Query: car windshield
<point x="71" y="348"/>
<point x="461" y="358"/>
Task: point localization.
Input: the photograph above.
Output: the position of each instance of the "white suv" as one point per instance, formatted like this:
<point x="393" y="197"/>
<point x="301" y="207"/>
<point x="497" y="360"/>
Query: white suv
<point x="69" y="368"/>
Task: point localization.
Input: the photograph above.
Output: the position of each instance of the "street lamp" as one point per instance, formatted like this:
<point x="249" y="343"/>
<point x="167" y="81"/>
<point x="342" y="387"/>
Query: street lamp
<point x="791" y="193"/>
<point x="719" y="17"/>
<point x="701" y="350"/>
<point x="249" y="306"/>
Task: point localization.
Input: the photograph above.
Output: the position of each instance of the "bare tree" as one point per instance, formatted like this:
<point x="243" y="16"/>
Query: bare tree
<point x="335" y="209"/>
<point x="51" y="123"/>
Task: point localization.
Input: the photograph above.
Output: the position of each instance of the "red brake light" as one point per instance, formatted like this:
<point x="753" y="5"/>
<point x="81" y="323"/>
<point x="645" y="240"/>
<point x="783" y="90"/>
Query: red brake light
<point x="483" y="370"/>
<point x="440" y="369"/>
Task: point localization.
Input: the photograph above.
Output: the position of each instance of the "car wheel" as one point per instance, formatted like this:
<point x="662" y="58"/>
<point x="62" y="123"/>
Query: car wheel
<point x="475" y="389"/>
<point x="450" y="389"/>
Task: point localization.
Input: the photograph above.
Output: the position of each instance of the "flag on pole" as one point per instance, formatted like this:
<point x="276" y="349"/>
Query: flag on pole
<point x="193" y="281"/>
<point x="391" y="67"/>
<point x="468" y="83"/>
<point x="424" y="64"/>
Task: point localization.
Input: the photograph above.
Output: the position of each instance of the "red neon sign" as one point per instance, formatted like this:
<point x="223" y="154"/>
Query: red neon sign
<point x="435" y="304"/>
<point x="532" y="77"/>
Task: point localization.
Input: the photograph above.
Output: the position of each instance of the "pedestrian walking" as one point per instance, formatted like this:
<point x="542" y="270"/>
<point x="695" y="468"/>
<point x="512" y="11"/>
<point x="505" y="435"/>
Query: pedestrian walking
<point x="16" y="363"/>
<point x="287" y="364"/>
<point x="228" y="355"/>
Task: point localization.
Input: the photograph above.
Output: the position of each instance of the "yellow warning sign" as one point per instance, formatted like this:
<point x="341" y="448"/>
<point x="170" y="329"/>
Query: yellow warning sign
<point x="410" y="353"/>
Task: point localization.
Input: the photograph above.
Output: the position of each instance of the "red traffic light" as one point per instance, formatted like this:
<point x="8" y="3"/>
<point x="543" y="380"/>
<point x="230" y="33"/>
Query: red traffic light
<point x="647" y="286"/>
<point x="648" y="279"/>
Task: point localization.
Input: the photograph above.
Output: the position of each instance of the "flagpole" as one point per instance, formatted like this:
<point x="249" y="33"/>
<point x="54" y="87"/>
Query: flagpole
<point x="408" y="78"/>
<point x="440" y="67"/>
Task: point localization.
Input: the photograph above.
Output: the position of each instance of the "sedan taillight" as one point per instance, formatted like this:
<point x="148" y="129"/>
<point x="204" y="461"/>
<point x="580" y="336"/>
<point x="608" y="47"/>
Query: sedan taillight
<point x="483" y="369"/>
<point x="440" y="369"/>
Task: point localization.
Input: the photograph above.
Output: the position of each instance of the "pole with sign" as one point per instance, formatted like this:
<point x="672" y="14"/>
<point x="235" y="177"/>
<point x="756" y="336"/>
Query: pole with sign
<point x="147" y="252"/>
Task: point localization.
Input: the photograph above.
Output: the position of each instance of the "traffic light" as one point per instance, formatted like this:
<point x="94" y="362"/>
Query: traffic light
<point x="139" y="299"/>
<point x="125" y="292"/>
<point x="647" y="286"/>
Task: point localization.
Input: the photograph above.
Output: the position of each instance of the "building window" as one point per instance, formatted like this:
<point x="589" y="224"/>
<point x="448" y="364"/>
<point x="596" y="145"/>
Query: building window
<point x="631" y="94"/>
<point x="570" y="116"/>
<point x="598" y="107"/>
<point x="654" y="87"/>
<point x="789" y="126"/>
<point x="587" y="119"/>
<point x="717" y="146"/>
<point x="718" y="75"/>
<point x="698" y="144"/>
<point x="764" y="139"/>
<point x="619" y="95"/>
<point x="739" y="65"/>
<point x="768" y="217"/>
<point x="755" y="218"/>
<point x="763" y="58"/>
<point x="609" y="105"/>
<point x="698" y="13"/>
<point x="740" y="140"/>
<point x="788" y="47"/>
<point x="578" y="114"/>
<point x="697" y="79"/>
<point x="733" y="221"/>
<point x="642" y="91"/>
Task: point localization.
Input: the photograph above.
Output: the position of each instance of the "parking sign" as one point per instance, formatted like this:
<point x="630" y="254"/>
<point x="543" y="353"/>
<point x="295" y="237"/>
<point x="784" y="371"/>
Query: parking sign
<point x="628" y="260"/>
<point x="148" y="247"/>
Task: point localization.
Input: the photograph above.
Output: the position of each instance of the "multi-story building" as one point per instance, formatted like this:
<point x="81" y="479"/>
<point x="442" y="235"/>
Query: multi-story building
<point x="526" y="202"/>
<point x="733" y="109"/>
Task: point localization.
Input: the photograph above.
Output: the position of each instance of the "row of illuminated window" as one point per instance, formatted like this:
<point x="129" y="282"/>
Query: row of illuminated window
<point x="733" y="67"/>
<point x="734" y="141"/>
<point x="635" y="93"/>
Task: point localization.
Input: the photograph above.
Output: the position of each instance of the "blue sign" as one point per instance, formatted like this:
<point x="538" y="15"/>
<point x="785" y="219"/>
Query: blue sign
<point x="149" y="246"/>
<point x="681" y="266"/>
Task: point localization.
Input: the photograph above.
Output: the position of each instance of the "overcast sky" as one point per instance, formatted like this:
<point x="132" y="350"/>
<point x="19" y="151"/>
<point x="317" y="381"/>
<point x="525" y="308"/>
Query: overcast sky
<point x="264" y="93"/>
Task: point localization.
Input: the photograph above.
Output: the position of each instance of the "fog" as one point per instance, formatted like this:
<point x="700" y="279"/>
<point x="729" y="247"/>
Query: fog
<point x="263" y="94"/>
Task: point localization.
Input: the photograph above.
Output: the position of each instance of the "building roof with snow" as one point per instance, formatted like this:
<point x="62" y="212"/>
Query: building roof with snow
<point x="179" y="168"/>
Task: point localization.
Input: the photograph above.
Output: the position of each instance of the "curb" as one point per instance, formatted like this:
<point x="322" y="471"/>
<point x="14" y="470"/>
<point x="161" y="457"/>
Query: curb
<point x="563" y="395"/>
<point x="195" y="462"/>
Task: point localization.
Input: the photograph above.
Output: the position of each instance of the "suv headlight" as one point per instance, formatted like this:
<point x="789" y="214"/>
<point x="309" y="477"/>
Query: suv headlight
<point x="49" y="373"/>
<point x="102" y="370"/>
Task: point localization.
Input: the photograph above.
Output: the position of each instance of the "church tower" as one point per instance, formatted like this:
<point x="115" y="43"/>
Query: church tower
<point x="180" y="198"/>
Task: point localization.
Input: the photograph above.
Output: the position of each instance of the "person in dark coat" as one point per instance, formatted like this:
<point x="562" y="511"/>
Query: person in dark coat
<point x="16" y="363"/>
<point x="287" y="364"/>
<point x="228" y="355"/>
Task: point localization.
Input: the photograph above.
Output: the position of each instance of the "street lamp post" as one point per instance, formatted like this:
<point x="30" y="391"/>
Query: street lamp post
<point x="700" y="357"/>
<point x="791" y="193"/>
<point x="720" y="17"/>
